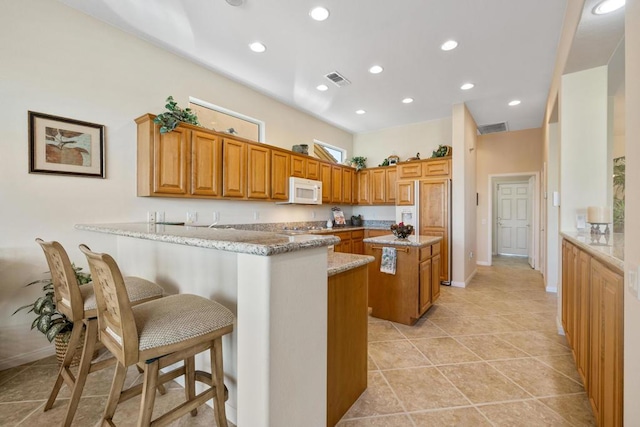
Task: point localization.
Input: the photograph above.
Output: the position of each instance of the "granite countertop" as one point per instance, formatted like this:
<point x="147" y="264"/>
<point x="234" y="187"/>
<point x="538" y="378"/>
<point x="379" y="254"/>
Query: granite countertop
<point x="225" y="239"/>
<point x="339" y="262"/>
<point x="336" y="229"/>
<point x="610" y="251"/>
<point x="413" y="240"/>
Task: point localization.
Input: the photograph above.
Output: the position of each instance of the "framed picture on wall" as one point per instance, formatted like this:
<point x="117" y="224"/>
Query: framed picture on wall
<point x="62" y="146"/>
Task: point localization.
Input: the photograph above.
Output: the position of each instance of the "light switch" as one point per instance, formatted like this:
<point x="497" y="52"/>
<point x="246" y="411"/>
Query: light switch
<point x="632" y="279"/>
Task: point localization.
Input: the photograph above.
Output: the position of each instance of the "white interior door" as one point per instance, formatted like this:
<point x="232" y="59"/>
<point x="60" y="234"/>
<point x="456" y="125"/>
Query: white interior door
<point x="529" y="221"/>
<point x="513" y="219"/>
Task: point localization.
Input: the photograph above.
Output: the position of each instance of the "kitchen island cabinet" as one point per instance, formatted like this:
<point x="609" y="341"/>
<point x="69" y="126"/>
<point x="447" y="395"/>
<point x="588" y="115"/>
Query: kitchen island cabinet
<point x="406" y="295"/>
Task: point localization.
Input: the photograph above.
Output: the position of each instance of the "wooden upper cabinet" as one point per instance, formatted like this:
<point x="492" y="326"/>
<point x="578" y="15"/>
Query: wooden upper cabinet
<point x="313" y="169"/>
<point x="234" y="168"/>
<point x="206" y="164"/>
<point x="405" y="193"/>
<point x="259" y="172"/>
<point x="410" y="170"/>
<point x="280" y="162"/>
<point x="325" y="177"/>
<point x="390" y="182"/>
<point x="417" y="169"/>
<point x="347" y="185"/>
<point x="298" y="166"/>
<point x="171" y="162"/>
<point x="364" y="187"/>
<point x="336" y="184"/>
<point x="378" y="186"/>
<point x="436" y="168"/>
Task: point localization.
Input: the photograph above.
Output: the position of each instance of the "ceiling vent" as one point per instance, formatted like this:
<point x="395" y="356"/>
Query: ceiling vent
<point x="493" y="128"/>
<point x="337" y="79"/>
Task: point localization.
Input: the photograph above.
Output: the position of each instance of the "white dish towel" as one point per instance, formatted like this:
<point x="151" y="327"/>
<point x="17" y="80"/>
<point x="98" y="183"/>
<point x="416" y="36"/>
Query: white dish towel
<point x="388" y="263"/>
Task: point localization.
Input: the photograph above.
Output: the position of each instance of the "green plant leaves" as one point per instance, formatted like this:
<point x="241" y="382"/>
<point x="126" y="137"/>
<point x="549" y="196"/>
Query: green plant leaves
<point x="55" y="330"/>
<point x="174" y="115"/>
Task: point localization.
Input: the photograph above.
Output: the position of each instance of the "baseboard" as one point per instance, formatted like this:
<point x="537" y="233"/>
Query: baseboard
<point x="485" y="263"/>
<point x="32" y="356"/>
<point x="559" y="326"/>
<point x="553" y="289"/>
<point x="468" y="279"/>
<point x="458" y="284"/>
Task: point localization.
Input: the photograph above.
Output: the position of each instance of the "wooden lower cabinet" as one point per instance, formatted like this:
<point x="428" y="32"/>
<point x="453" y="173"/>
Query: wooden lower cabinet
<point x="592" y="315"/>
<point x="350" y="241"/>
<point x="346" y="341"/>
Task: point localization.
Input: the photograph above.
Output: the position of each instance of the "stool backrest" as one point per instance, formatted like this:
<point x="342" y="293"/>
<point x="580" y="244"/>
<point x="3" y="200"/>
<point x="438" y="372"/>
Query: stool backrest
<point x="66" y="290"/>
<point x="116" y="324"/>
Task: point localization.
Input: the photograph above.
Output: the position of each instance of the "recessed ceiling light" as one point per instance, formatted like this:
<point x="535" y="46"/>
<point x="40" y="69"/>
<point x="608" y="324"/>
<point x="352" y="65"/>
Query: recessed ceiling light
<point x="235" y="2"/>
<point x="360" y="112"/>
<point x="375" y="69"/>
<point x="322" y="88"/>
<point x="449" y="45"/>
<point x="319" y="13"/>
<point x="467" y="86"/>
<point x="514" y="103"/>
<point x="407" y="100"/>
<point x="257" y="47"/>
<point x="608" y="6"/>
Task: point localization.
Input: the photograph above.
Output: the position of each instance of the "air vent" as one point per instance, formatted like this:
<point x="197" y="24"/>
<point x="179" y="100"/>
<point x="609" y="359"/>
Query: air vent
<point x="493" y="128"/>
<point x="337" y="79"/>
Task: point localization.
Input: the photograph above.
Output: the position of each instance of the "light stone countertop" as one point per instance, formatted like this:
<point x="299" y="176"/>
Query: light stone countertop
<point x="610" y="251"/>
<point x="413" y="240"/>
<point x="224" y="239"/>
<point x="339" y="262"/>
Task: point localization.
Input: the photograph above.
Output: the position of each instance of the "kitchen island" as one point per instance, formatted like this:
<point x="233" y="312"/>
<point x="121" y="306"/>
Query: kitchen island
<point x="407" y="293"/>
<point x="276" y="358"/>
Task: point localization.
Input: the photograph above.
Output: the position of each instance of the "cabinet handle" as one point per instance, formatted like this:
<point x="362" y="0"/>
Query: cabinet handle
<point x="397" y="249"/>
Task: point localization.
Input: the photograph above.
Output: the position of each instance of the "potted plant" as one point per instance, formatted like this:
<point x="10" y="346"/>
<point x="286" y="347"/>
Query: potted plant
<point x="359" y="162"/>
<point x="53" y="324"/>
<point x="174" y="115"/>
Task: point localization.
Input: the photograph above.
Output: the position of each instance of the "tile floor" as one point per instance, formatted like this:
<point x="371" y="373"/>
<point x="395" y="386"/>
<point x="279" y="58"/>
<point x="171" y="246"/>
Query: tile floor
<point x="486" y="355"/>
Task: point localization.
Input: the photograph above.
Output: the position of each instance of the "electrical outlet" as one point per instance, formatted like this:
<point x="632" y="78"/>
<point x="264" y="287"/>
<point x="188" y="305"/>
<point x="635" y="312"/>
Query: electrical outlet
<point x="216" y="217"/>
<point x="313" y="214"/>
<point x="256" y="215"/>
<point x="159" y="216"/>
<point x="192" y="217"/>
<point x="470" y="254"/>
<point x="151" y="217"/>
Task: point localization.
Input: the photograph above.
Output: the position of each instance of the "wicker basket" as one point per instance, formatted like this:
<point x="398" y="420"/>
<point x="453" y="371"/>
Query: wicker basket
<point x="61" y="349"/>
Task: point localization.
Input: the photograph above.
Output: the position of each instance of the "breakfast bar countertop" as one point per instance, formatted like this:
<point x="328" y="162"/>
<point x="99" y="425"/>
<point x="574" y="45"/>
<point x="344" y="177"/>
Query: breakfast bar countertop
<point x="225" y="239"/>
<point x="339" y="262"/>
<point x="413" y="240"/>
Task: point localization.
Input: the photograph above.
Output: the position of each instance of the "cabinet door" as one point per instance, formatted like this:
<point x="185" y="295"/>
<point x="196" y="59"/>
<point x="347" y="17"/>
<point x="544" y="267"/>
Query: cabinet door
<point x="364" y="187"/>
<point x="347" y="185"/>
<point x="234" y="168"/>
<point x="345" y="242"/>
<point x="313" y="169"/>
<point x="412" y="170"/>
<point x="582" y="301"/>
<point x="390" y="189"/>
<point x="566" y="248"/>
<point x="570" y="295"/>
<point x="325" y="177"/>
<point x="378" y="186"/>
<point x="280" y="162"/>
<point x="436" y="168"/>
<point x="434" y="217"/>
<point x="171" y="162"/>
<point x="259" y="176"/>
<point x="206" y="164"/>
<point x="336" y="184"/>
<point x="435" y="278"/>
<point x="425" y="286"/>
<point x="405" y="193"/>
<point x="298" y="166"/>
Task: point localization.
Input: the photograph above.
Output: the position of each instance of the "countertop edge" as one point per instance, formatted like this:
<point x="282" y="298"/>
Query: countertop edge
<point x="339" y="262"/>
<point x="610" y="260"/>
<point x="390" y="240"/>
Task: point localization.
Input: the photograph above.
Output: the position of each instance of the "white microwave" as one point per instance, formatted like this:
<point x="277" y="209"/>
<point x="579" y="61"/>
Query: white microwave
<point x="304" y="192"/>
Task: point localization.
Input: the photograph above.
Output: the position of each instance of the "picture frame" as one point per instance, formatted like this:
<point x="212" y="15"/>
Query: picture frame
<point x="63" y="146"/>
<point x="338" y="218"/>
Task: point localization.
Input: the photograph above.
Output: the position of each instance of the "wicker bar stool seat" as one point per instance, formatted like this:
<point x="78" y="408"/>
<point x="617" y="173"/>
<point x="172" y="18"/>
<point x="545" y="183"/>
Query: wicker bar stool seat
<point x="155" y="335"/>
<point x="78" y="303"/>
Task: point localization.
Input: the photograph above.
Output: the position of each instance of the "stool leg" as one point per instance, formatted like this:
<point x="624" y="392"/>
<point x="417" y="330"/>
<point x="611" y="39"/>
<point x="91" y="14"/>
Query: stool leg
<point x="114" y="394"/>
<point x="90" y="337"/>
<point x="161" y="388"/>
<point x="148" y="393"/>
<point x="190" y="381"/>
<point x="76" y="331"/>
<point x="217" y="376"/>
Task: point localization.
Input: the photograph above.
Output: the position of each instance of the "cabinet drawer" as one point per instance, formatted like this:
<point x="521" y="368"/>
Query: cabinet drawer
<point x="358" y="234"/>
<point x="425" y="253"/>
<point x="409" y="170"/>
<point x="435" y="168"/>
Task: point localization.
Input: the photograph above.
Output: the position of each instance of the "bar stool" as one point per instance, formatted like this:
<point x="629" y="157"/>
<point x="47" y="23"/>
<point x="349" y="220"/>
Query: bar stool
<point x="78" y="304"/>
<point x="155" y="335"/>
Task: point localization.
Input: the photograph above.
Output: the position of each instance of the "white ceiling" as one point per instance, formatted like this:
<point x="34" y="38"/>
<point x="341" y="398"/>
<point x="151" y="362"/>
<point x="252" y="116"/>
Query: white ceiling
<point x="507" y="48"/>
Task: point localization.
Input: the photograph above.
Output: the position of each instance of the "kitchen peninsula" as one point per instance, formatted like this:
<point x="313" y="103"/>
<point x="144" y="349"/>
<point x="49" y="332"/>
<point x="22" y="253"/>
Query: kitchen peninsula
<point x="276" y="359"/>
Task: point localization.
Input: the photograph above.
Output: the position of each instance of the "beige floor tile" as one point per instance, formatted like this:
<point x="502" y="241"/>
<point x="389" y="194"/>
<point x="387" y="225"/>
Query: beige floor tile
<point x="533" y="321"/>
<point x="490" y="347"/>
<point x="51" y="360"/>
<point x="88" y="413"/>
<point x="528" y="413"/>
<point x="536" y="377"/>
<point x="11" y="414"/>
<point x="377" y="399"/>
<point x="371" y="365"/>
<point x="7" y="374"/>
<point x="467" y="309"/>
<point x="423" y="328"/>
<point x="396" y="354"/>
<point x="438" y="311"/>
<point x="481" y="383"/>
<point x="383" y="331"/>
<point x="385" y="421"/>
<point x="33" y="383"/>
<point x="450" y="417"/>
<point x="424" y="388"/>
<point x="575" y="408"/>
<point x="534" y="343"/>
<point x="563" y="363"/>
<point x="444" y="351"/>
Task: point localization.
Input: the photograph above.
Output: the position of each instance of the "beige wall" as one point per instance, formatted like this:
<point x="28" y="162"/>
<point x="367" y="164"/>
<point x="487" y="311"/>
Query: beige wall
<point x="632" y="215"/>
<point x="59" y="61"/>
<point x="502" y="153"/>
